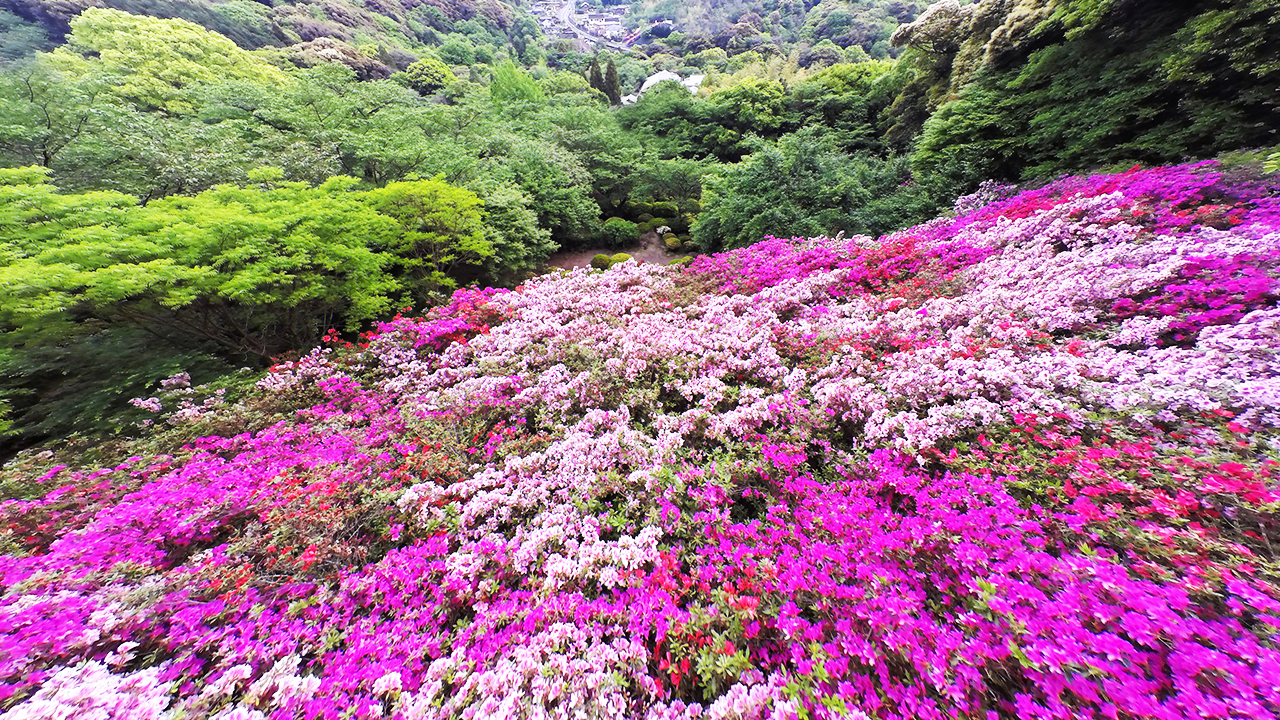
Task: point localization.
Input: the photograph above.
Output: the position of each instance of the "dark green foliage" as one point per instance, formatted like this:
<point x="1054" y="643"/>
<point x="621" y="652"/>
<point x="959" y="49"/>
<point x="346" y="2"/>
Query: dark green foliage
<point x="805" y="186"/>
<point x="969" y="140"/>
<point x="595" y="77"/>
<point x="726" y="125"/>
<point x="84" y="385"/>
<point x="664" y="209"/>
<point x="1111" y="83"/>
<point x="20" y="39"/>
<point x="612" y="86"/>
<point x="664" y="120"/>
<point x="852" y="100"/>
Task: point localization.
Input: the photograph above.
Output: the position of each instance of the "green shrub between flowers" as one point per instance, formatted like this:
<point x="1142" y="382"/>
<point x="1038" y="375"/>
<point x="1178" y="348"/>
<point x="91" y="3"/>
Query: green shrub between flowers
<point x="1020" y="463"/>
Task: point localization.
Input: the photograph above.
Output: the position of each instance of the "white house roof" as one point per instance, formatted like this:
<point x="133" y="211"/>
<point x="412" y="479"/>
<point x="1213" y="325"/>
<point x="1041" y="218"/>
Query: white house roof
<point x="658" y="77"/>
<point x="691" y="83"/>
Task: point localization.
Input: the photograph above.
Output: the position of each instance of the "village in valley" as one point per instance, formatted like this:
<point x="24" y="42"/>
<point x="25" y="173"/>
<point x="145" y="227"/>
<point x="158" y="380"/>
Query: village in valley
<point x="597" y="27"/>
<point x="570" y="19"/>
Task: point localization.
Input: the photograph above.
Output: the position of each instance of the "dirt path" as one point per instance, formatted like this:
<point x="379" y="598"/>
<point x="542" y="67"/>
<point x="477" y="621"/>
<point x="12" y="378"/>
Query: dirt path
<point x="650" y="249"/>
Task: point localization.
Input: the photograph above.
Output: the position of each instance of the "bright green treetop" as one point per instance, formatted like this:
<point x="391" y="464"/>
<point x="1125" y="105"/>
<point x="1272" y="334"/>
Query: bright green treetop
<point x="154" y="61"/>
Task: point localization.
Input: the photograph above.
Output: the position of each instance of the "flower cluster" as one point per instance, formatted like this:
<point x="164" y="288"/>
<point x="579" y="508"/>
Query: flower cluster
<point x="1019" y="462"/>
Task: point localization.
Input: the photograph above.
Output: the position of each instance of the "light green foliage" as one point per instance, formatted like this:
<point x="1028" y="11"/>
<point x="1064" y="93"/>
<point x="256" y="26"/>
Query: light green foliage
<point x="440" y="233"/>
<point x="568" y="88"/>
<point x="457" y="50"/>
<point x="90" y="138"/>
<point x="255" y="271"/>
<point x="328" y="123"/>
<point x="1272" y="163"/>
<point x="103" y="297"/>
<point x="1080" y="16"/>
<point x="157" y="61"/>
<point x="513" y="86"/>
<point x="34" y="215"/>
<point x="428" y="76"/>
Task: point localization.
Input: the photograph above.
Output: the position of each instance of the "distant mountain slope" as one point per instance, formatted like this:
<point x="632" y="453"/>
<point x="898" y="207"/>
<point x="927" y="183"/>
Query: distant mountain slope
<point x="735" y="25"/>
<point x="388" y="29"/>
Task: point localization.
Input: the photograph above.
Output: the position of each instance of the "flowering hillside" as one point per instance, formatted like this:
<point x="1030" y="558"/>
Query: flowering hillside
<point x="1018" y="463"/>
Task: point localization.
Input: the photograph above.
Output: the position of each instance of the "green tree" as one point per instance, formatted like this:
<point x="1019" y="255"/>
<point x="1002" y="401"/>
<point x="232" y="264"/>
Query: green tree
<point x="555" y="179"/>
<point x="519" y="244"/>
<point x="428" y="76"/>
<point x="440" y="234"/>
<point x="663" y="120"/>
<point x="969" y="140"/>
<point x="513" y="86"/>
<point x="254" y="271"/>
<point x="678" y="180"/>
<point x="19" y="39"/>
<point x="157" y="61"/>
<point x="608" y="154"/>
<point x="851" y="99"/>
<point x="595" y="77"/>
<point x="617" y="232"/>
<point x="805" y="186"/>
<point x="43" y="111"/>
<point x="612" y="85"/>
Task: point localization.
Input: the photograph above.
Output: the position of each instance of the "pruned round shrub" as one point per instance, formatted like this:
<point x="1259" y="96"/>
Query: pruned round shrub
<point x="665" y="209"/>
<point x="601" y="262"/>
<point x="617" y="232"/>
<point x="428" y="76"/>
<point x="671" y="241"/>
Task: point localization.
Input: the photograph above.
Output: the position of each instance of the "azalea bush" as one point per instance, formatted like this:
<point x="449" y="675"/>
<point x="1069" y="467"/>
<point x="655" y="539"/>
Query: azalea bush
<point x="1017" y="462"/>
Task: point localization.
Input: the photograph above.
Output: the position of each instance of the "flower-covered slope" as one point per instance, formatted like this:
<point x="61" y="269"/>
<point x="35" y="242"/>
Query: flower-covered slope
<point x="1016" y="463"/>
